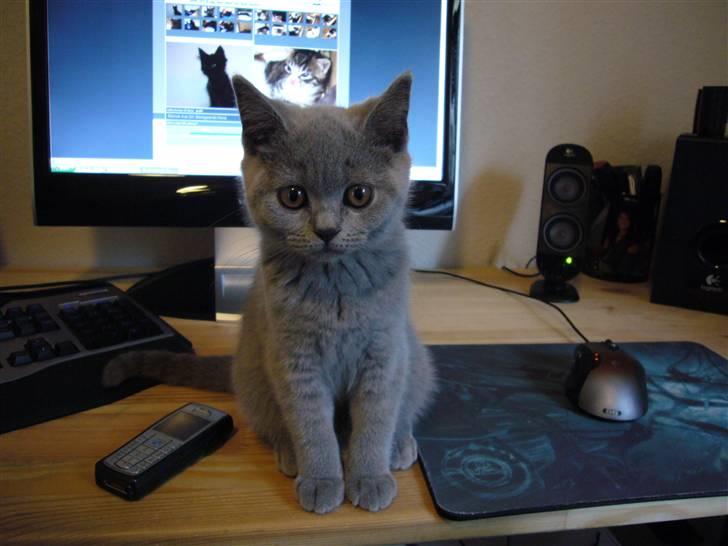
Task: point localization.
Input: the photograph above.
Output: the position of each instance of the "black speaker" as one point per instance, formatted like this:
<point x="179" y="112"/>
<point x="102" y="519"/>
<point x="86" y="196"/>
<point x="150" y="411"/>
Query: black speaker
<point x="563" y="223"/>
<point x="691" y="262"/>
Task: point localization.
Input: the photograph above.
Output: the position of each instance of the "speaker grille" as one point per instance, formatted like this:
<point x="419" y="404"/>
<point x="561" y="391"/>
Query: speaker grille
<point x="563" y="233"/>
<point x="566" y="186"/>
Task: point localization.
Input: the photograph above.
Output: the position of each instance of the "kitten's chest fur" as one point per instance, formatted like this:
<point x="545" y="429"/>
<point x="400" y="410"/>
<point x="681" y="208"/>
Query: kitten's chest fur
<point x="340" y="308"/>
<point x="342" y="294"/>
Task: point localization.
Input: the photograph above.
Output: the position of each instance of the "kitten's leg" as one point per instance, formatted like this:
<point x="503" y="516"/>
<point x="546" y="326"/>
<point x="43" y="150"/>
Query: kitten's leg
<point x="418" y="394"/>
<point x="254" y="392"/>
<point x="308" y="410"/>
<point x="374" y="409"/>
<point x="274" y="433"/>
<point x="404" y="448"/>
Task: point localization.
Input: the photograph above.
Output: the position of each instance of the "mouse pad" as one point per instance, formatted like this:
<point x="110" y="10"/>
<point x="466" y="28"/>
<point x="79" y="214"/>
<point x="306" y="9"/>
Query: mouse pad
<point x="502" y="438"/>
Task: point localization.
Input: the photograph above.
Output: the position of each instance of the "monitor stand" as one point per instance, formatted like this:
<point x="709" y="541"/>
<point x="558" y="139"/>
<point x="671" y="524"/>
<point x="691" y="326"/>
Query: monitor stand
<point x="207" y="289"/>
<point x="236" y="255"/>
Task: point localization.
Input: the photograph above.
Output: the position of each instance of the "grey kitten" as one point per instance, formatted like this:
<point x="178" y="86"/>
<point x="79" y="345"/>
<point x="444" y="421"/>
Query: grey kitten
<point x="328" y="361"/>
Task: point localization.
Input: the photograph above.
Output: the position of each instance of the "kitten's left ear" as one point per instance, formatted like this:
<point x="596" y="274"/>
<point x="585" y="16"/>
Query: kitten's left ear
<point x="322" y="67"/>
<point x="263" y="126"/>
<point x="386" y="123"/>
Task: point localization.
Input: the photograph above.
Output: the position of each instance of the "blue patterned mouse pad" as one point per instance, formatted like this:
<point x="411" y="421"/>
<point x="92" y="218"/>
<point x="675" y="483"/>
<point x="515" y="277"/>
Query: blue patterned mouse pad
<point x="502" y="438"/>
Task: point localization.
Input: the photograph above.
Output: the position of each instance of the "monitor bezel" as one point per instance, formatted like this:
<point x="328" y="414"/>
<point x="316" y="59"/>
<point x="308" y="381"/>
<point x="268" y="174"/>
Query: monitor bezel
<point x="96" y="199"/>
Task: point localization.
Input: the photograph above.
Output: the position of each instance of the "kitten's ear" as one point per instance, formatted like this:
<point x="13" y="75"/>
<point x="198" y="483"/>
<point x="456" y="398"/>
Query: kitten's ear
<point x="201" y="52"/>
<point x="386" y="123"/>
<point x="219" y="50"/>
<point x="262" y="124"/>
<point x="322" y="67"/>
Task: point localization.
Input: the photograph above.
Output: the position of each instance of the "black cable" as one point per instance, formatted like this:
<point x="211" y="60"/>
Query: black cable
<point x="508" y="291"/>
<point x="518" y="274"/>
<point x="526" y="275"/>
<point x="79" y="282"/>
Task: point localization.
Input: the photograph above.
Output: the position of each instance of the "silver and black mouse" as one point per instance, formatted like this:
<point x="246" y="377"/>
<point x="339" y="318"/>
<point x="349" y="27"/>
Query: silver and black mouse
<point x="607" y="382"/>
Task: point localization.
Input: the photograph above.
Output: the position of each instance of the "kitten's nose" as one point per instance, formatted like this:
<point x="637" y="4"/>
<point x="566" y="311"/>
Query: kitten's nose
<point x="326" y="234"/>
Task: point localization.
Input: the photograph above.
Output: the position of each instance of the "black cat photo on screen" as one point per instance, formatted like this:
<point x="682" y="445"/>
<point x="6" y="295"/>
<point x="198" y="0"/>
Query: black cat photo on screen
<point x="219" y="86"/>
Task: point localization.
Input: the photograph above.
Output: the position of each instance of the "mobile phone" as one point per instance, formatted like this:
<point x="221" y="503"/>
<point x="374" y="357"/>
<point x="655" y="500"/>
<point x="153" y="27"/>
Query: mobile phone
<point x="163" y="450"/>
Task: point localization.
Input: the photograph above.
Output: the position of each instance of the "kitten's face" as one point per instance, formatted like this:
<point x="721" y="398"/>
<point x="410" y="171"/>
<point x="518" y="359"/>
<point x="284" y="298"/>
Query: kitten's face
<point x="323" y="186"/>
<point x="328" y="192"/>
<point x="301" y="78"/>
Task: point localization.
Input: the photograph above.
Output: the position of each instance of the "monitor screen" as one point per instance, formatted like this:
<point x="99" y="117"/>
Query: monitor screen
<point x="135" y="119"/>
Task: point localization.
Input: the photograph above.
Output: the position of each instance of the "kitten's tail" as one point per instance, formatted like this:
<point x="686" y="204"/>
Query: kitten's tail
<point x="182" y="369"/>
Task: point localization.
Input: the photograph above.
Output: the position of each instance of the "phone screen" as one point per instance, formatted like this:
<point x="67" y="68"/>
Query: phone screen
<point x="181" y="425"/>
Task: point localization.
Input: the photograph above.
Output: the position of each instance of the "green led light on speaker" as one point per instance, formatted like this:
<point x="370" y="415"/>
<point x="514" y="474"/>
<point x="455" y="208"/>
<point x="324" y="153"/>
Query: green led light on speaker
<point x="568" y="260"/>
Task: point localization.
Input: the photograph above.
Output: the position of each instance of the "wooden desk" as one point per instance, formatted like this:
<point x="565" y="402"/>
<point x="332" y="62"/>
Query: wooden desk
<point x="236" y="495"/>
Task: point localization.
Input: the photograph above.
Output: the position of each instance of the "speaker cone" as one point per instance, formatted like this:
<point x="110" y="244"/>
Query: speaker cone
<point x="566" y="186"/>
<point x="562" y="233"/>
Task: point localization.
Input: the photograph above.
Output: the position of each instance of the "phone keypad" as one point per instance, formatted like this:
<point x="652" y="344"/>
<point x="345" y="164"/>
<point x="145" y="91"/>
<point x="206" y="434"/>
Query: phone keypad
<point x="142" y="452"/>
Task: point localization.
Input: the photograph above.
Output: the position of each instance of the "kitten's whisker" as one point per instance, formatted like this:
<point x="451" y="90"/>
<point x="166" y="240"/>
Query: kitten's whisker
<point x="225" y="217"/>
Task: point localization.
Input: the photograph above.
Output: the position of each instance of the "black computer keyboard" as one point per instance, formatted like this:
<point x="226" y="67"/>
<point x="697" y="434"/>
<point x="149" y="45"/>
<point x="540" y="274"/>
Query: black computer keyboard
<point x="54" y="344"/>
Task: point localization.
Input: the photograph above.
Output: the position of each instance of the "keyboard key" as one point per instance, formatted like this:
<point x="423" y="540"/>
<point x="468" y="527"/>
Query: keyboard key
<point x="6" y="333"/>
<point x="19" y="358"/>
<point x="65" y="348"/>
<point x="47" y="325"/>
<point x="39" y="349"/>
<point x="34" y="309"/>
<point x="108" y="323"/>
<point x="13" y="312"/>
<point x="24" y="326"/>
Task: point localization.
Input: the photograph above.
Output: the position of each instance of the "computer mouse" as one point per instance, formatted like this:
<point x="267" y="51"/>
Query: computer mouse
<point x="607" y="382"/>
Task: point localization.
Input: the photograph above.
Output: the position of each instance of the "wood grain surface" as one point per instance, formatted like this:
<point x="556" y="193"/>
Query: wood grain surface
<point x="236" y="495"/>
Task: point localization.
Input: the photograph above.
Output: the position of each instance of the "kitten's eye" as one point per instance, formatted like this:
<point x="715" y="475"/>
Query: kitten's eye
<point x="288" y="69"/>
<point x="292" y="197"/>
<point x="358" y="195"/>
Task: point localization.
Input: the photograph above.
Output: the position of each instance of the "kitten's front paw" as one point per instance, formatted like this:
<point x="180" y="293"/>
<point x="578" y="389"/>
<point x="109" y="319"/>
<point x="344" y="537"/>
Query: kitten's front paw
<point x="372" y="493"/>
<point x="404" y="452"/>
<point x="320" y="495"/>
<point x="121" y="368"/>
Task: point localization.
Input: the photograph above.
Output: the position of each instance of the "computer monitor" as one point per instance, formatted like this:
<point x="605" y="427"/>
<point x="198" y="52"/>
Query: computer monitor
<point x="133" y="124"/>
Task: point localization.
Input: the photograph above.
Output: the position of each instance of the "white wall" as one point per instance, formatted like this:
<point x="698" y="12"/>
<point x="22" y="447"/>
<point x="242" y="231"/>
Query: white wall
<point x="619" y="77"/>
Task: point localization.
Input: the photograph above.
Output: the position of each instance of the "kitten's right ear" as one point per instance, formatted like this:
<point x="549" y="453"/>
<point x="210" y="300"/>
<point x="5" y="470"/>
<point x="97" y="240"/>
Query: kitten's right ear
<point x="386" y="120"/>
<point x="262" y="123"/>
